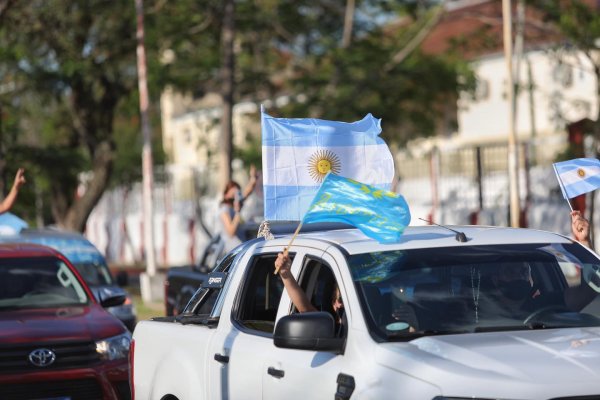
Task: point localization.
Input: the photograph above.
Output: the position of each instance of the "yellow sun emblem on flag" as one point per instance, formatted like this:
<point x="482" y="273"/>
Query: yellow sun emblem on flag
<point x="580" y="172"/>
<point x="321" y="162"/>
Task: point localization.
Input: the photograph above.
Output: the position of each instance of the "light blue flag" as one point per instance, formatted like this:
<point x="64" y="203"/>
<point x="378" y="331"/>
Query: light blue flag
<point x="297" y="154"/>
<point x="379" y="214"/>
<point x="578" y="176"/>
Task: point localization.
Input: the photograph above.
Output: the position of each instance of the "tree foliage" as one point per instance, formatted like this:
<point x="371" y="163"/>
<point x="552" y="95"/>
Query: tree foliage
<point x="72" y="106"/>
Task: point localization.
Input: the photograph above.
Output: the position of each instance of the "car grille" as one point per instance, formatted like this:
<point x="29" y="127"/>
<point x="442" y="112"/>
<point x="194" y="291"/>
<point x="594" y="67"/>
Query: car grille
<point x="79" y="389"/>
<point x="15" y="358"/>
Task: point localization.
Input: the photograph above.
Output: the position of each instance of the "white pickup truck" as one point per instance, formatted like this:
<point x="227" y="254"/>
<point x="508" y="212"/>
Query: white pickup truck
<point x="460" y="313"/>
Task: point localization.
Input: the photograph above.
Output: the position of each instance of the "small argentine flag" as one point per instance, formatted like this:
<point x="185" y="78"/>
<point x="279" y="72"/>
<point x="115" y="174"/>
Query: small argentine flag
<point x="578" y="176"/>
<point x="298" y="153"/>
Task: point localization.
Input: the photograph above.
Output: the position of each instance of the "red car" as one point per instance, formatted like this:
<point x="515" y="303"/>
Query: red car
<point x="56" y="340"/>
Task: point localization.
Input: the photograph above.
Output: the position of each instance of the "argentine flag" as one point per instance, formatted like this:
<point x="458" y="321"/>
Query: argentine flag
<point x="578" y="176"/>
<point x="298" y="153"/>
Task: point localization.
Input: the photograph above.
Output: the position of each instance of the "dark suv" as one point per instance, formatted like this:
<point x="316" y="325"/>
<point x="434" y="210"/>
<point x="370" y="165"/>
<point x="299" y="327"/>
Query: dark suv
<point x="56" y="340"/>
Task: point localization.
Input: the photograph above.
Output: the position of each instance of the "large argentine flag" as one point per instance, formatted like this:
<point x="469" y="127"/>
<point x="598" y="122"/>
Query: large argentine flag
<point x="578" y="176"/>
<point x="298" y="153"/>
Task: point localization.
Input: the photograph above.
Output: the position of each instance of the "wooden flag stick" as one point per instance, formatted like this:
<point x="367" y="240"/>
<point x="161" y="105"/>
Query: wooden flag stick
<point x="290" y="244"/>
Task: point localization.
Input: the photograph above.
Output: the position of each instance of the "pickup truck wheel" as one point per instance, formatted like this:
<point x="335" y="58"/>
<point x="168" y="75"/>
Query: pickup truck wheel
<point x="169" y="397"/>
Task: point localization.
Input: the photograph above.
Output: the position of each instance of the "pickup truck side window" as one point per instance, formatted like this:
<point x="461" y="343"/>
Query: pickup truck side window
<point x="203" y="301"/>
<point x="318" y="282"/>
<point x="260" y="296"/>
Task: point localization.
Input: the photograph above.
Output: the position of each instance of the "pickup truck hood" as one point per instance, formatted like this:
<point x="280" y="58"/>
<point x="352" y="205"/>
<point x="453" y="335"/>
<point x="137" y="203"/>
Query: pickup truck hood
<point x="541" y="357"/>
<point x="57" y="324"/>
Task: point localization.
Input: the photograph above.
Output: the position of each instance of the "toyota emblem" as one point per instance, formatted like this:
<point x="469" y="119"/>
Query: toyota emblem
<point x="42" y="357"/>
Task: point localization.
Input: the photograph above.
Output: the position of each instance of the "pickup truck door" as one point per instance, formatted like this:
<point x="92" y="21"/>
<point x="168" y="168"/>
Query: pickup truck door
<point x="303" y="374"/>
<point x="245" y="332"/>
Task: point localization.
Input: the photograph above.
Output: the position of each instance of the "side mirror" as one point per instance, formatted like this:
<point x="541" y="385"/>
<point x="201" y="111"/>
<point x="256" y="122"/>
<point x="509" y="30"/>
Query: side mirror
<point x="308" y="331"/>
<point x="109" y="297"/>
<point x="591" y="276"/>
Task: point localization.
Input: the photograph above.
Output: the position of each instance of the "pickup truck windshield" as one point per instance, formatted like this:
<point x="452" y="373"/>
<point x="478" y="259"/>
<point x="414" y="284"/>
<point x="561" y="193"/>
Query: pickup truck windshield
<point x="409" y="293"/>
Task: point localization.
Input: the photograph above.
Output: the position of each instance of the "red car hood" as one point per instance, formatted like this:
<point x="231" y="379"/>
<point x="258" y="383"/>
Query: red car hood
<point x="57" y="324"/>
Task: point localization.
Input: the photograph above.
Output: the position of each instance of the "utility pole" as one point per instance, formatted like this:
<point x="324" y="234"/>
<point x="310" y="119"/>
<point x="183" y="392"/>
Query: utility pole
<point x="513" y="159"/>
<point x="146" y="280"/>
<point x="227" y="90"/>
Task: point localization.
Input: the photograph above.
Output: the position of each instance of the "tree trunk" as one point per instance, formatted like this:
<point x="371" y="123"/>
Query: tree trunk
<point x="227" y="88"/>
<point x="77" y="214"/>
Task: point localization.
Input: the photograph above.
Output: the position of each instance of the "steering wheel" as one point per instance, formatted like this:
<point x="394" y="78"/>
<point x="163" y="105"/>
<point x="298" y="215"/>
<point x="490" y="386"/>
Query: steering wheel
<point x="543" y="310"/>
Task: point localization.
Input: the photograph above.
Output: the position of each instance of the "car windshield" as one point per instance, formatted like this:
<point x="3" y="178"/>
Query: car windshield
<point x="410" y="293"/>
<point x="94" y="273"/>
<point x="38" y="283"/>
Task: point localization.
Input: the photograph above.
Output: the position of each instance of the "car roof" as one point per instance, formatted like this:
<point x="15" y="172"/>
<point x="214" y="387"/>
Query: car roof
<point x="73" y="245"/>
<point x="52" y="232"/>
<point x="353" y="241"/>
<point x="25" y="250"/>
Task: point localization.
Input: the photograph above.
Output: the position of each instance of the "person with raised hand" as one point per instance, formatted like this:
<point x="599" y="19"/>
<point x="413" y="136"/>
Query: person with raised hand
<point x="10" y="199"/>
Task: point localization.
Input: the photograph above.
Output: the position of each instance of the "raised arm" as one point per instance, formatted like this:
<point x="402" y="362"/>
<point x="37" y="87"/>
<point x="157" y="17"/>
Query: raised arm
<point x="297" y="295"/>
<point x="9" y="200"/>
<point x="251" y="183"/>
<point x="577" y="297"/>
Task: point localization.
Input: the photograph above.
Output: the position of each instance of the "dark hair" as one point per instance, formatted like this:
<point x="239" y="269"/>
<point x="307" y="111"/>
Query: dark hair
<point x="228" y="186"/>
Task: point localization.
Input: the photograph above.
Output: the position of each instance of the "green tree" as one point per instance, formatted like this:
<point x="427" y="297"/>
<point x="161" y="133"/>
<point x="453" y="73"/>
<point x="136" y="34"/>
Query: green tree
<point x="74" y="58"/>
<point x="578" y="22"/>
<point x="381" y="71"/>
<point x="72" y="66"/>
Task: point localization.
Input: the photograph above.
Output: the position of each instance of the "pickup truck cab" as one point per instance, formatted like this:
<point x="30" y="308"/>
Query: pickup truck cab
<point x="506" y="314"/>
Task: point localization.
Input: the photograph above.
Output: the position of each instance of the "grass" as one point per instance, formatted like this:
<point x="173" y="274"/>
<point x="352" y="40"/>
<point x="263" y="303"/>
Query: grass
<point x="145" y="310"/>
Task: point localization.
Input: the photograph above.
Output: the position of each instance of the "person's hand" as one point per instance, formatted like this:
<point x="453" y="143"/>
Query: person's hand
<point x="580" y="227"/>
<point x="19" y="178"/>
<point x="283" y="263"/>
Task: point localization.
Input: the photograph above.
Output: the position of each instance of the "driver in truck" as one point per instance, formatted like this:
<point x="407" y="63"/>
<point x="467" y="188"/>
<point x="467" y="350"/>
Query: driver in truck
<point x="516" y="290"/>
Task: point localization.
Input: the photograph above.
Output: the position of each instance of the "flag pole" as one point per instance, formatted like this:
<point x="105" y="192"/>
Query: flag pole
<point x="285" y="250"/>
<point x="562" y="189"/>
